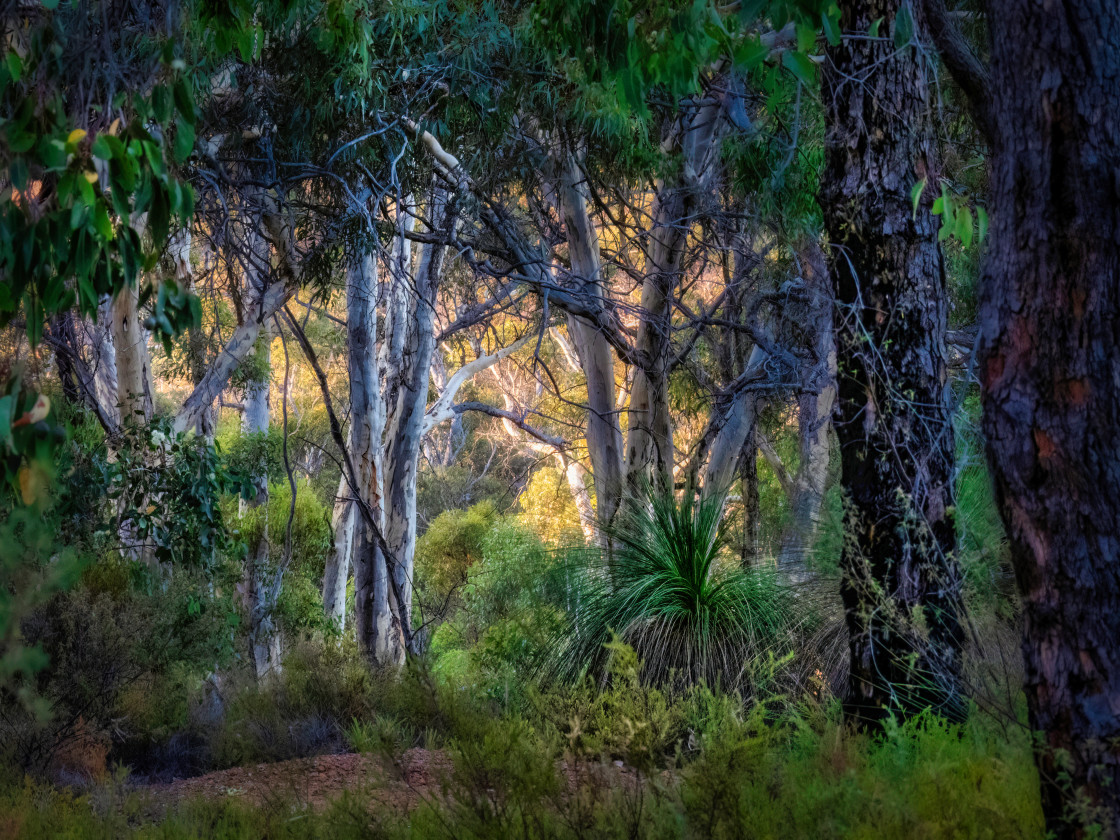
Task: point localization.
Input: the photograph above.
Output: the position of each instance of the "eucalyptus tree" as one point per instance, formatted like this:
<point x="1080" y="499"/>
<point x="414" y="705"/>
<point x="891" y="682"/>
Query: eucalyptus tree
<point x="1050" y="381"/>
<point x="894" y="423"/>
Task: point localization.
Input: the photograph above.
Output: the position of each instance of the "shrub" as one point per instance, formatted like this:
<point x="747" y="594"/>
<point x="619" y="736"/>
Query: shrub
<point x="445" y="554"/>
<point x="118" y="661"/>
<point x="299" y="608"/>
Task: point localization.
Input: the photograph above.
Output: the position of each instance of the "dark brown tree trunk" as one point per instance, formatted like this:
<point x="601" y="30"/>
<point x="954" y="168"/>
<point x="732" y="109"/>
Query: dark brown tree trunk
<point x="1050" y="371"/>
<point x="893" y="420"/>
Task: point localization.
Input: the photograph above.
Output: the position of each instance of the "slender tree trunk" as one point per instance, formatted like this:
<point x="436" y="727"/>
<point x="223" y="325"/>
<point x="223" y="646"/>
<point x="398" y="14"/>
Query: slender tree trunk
<point x="405" y="434"/>
<point x="604" y="434"/>
<point x="649" y="443"/>
<point x="133" y="361"/>
<point x="365" y="434"/>
<point x="814" y="417"/>
<point x="1049" y="364"/>
<point x="103" y="361"/>
<point x="893" y="422"/>
<point x="337" y="570"/>
<point x="264" y="640"/>
<point x="748" y="483"/>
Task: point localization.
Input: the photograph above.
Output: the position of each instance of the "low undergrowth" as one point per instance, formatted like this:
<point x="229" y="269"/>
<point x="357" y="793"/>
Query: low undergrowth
<point x="738" y="772"/>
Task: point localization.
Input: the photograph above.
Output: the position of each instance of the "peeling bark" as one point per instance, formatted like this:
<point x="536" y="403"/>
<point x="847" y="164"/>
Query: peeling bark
<point x="364" y="436"/>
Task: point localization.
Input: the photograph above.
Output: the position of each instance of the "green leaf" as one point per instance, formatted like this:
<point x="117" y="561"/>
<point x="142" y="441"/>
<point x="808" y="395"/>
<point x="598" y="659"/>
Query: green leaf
<point x="802" y="68"/>
<point x="830" y="20"/>
<point x="916" y="195"/>
<point x="19" y="142"/>
<point x="806" y="38"/>
<point x="19" y="174"/>
<point x="102" y="222"/>
<point x="184" y="140"/>
<point x="183" y="101"/>
<point x="161" y="103"/>
<point x="15" y="65"/>
<point x="50" y="5"/>
<point x="981" y="223"/>
<point x="903" y="27"/>
<point x="751" y="54"/>
<point x="6" y="405"/>
<point x="873" y="30"/>
<point x="964" y="227"/>
<point x="101" y="148"/>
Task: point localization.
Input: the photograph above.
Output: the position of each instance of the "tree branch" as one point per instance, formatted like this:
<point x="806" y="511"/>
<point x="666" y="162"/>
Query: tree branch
<point x="962" y="62"/>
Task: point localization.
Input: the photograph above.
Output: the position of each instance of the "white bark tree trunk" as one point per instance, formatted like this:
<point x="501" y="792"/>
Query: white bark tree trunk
<point x="649" y="445"/>
<point x="738" y="428"/>
<point x="814" y="408"/>
<point x="604" y="434"/>
<point x="365" y="437"/>
<point x="133" y="362"/>
<point x="103" y="361"/>
<point x="404" y="438"/>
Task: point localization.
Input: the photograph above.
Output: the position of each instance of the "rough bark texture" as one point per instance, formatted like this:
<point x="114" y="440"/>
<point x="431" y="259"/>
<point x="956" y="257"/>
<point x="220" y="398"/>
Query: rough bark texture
<point x="1050" y="370"/>
<point x="893" y="420"/>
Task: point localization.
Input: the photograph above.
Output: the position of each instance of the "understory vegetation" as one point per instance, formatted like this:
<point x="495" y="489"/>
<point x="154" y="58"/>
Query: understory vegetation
<point x="700" y="699"/>
<point x="559" y="419"/>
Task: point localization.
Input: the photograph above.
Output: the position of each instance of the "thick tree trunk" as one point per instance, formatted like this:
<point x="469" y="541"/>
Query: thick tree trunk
<point x="893" y="421"/>
<point x="1050" y="372"/>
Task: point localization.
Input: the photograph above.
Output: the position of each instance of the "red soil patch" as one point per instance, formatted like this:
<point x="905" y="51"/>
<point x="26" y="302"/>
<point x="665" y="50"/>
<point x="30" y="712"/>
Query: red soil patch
<point x="315" y="782"/>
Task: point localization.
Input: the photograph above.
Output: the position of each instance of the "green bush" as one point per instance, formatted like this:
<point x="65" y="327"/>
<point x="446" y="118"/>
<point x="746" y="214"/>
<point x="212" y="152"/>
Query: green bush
<point x="300" y="605"/>
<point x="445" y="554"/>
<point x="118" y="660"/>
<point x="509" y="613"/>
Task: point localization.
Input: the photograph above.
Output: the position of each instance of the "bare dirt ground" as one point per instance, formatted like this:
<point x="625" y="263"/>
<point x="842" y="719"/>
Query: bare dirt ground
<point x="400" y="785"/>
<point x="315" y="782"/>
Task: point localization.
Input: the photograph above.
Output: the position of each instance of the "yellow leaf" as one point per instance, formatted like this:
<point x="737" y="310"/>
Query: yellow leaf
<point x="32" y="483"/>
<point x="41" y="409"/>
<point x="76" y="136"/>
<point x="113" y="128"/>
<point x="91" y="177"/>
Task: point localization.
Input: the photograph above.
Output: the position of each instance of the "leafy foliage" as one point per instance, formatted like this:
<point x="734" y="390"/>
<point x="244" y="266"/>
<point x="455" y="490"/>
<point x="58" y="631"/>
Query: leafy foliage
<point x="663" y="590"/>
<point x="87" y="161"/>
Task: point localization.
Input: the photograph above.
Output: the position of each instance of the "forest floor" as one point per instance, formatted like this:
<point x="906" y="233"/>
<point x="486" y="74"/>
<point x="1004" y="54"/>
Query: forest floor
<point x="316" y="782"/>
<point x="401" y="784"/>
